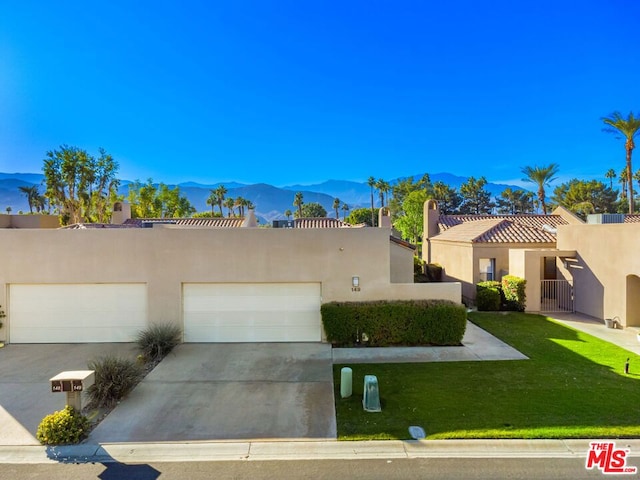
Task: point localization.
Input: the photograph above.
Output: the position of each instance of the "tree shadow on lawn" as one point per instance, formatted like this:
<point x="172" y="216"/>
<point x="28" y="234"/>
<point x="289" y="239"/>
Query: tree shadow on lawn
<point x="573" y="385"/>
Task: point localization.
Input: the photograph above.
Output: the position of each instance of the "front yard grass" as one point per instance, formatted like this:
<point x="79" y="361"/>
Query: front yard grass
<point x="572" y="386"/>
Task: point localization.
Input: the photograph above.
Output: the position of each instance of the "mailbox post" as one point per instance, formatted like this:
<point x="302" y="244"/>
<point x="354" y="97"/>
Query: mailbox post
<point x="73" y="383"/>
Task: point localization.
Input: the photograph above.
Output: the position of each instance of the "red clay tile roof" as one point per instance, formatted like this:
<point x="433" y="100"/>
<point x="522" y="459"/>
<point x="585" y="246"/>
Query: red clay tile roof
<point x="497" y="229"/>
<point x="447" y="221"/>
<point x="635" y="218"/>
<point x="323" y="222"/>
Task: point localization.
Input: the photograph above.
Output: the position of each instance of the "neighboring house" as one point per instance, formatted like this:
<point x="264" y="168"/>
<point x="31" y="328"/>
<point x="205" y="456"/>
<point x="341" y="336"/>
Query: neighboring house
<point x="219" y="282"/>
<point x="600" y="260"/>
<point x="476" y="248"/>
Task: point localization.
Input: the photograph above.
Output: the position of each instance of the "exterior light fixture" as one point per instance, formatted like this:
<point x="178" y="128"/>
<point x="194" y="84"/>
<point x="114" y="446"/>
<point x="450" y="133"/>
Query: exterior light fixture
<point x="355" y="284"/>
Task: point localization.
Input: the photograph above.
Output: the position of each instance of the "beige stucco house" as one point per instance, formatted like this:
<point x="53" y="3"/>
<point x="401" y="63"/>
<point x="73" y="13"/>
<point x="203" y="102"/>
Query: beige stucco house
<point x="218" y="282"/>
<point x="475" y="248"/>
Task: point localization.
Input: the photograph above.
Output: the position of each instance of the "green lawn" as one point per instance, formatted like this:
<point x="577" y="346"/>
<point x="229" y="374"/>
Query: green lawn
<point x="573" y="386"/>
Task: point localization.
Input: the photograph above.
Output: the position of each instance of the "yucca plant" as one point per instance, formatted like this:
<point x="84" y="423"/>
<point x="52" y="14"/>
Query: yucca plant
<point x="158" y="340"/>
<point x="114" y="378"/>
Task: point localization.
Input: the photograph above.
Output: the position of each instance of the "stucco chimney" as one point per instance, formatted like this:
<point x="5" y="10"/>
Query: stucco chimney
<point x="430" y="227"/>
<point x="121" y="213"/>
<point x="384" y="218"/>
<point x="250" y="220"/>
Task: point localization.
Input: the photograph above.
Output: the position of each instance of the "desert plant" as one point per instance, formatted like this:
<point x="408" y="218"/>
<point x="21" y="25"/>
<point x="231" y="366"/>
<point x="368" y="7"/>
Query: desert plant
<point x="158" y="340"/>
<point x="2" y="315"/>
<point x="114" y="379"/>
<point x="63" y="427"/>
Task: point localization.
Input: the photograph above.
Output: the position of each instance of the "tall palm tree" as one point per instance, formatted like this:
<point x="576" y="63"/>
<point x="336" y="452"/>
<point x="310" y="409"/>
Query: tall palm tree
<point x="629" y="128"/>
<point x="611" y="174"/>
<point x="336" y="206"/>
<point x="287" y="213"/>
<point x="297" y="202"/>
<point x="221" y="191"/>
<point x="241" y="203"/>
<point x="383" y="187"/>
<point x="212" y="200"/>
<point x="372" y="183"/>
<point x="229" y="202"/>
<point x="541" y="176"/>
<point x="345" y="209"/>
<point x="623" y="181"/>
<point x="32" y="194"/>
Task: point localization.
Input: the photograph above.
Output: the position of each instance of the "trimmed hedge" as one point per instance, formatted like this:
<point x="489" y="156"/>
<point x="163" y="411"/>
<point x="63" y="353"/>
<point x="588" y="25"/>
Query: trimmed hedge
<point x="513" y="290"/>
<point x="489" y="296"/>
<point x="399" y="322"/>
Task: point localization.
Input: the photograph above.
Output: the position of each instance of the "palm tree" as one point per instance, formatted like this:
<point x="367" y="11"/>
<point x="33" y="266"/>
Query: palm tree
<point x="229" y="203"/>
<point x="297" y="202"/>
<point x="372" y="183"/>
<point x="212" y="200"/>
<point x="336" y="206"/>
<point x="241" y="203"/>
<point x="383" y="187"/>
<point x="8" y="209"/>
<point x="221" y="191"/>
<point x="32" y="194"/>
<point x="345" y="209"/>
<point x="541" y="176"/>
<point x="629" y="128"/>
<point x="287" y="213"/>
<point x="611" y="174"/>
<point x="623" y="181"/>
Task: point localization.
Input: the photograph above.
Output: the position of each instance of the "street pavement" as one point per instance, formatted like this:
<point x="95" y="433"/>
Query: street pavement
<point x="477" y="346"/>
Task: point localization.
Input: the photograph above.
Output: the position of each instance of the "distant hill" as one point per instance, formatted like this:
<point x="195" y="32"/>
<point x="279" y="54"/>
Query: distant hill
<point x="271" y="202"/>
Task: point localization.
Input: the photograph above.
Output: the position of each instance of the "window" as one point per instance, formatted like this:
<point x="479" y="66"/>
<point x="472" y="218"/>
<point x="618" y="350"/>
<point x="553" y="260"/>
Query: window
<point x="487" y="267"/>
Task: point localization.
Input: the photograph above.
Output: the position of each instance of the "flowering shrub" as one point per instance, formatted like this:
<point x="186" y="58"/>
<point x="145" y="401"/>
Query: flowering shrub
<point x="63" y="427"/>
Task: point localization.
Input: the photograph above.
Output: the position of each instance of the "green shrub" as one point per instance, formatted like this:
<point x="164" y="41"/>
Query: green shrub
<point x="114" y="379"/>
<point x="513" y="289"/>
<point x="63" y="427"/>
<point x="158" y="340"/>
<point x="418" y="265"/>
<point x="489" y="296"/>
<point x="384" y="323"/>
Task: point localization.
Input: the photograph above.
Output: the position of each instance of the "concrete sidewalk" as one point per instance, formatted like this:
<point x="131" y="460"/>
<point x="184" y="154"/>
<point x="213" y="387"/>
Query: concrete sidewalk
<point x="626" y="338"/>
<point x="129" y="453"/>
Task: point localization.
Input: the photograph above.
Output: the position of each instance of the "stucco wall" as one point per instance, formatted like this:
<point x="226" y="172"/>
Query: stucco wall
<point x="29" y="221"/>
<point x="401" y="266"/>
<point x="166" y="257"/>
<point x="606" y="256"/>
<point x="456" y="260"/>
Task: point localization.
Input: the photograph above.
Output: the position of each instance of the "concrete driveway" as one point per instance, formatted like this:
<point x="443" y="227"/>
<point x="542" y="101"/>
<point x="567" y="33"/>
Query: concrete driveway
<point x="230" y="391"/>
<point x="25" y="393"/>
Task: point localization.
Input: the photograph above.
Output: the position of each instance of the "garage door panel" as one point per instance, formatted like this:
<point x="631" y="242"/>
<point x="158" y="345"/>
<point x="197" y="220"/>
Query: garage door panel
<point x="252" y="312"/>
<point x="76" y="313"/>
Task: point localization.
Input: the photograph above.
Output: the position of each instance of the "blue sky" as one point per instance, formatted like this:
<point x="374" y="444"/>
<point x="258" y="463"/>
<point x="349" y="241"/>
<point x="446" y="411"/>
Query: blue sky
<point x="287" y="92"/>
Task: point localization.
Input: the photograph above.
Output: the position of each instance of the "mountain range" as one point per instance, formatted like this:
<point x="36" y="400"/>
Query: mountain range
<point x="271" y="202"/>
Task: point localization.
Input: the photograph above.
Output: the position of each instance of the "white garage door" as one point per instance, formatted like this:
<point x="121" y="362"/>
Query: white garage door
<point x="76" y="313"/>
<point x="262" y="312"/>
